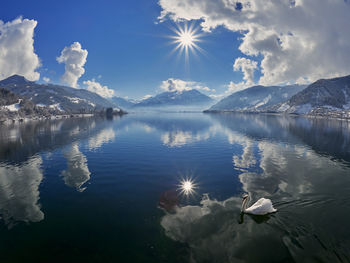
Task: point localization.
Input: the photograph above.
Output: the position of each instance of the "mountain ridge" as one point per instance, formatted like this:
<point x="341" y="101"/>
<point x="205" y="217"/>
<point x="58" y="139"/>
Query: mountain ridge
<point x="328" y="98"/>
<point x="256" y="98"/>
<point x="327" y="94"/>
<point x="176" y="98"/>
<point x="61" y="98"/>
<point x="122" y="103"/>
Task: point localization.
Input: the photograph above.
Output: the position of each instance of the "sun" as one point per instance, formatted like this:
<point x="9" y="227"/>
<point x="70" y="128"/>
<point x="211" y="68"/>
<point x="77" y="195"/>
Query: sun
<point x="186" y="39"/>
<point x="187" y="186"/>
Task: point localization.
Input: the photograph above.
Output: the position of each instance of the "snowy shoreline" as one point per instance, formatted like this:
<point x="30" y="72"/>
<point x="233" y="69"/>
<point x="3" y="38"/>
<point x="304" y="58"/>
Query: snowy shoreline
<point x="40" y="118"/>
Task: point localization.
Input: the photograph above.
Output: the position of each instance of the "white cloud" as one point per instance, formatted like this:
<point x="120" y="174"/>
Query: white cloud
<point x="181" y="85"/>
<point x="74" y="58"/>
<point x="297" y="40"/>
<point x="217" y="96"/>
<point x="46" y="79"/>
<point x="234" y="87"/>
<point x="94" y="86"/>
<point x="248" y="67"/>
<point x="17" y="55"/>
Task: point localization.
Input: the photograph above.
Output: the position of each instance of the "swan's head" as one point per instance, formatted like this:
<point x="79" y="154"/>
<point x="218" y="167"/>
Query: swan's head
<point x="244" y="202"/>
<point x="244" y="197"/>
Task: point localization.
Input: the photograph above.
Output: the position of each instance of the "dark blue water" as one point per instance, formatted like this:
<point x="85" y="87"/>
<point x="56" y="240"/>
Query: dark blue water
<point x="98" y="190"/>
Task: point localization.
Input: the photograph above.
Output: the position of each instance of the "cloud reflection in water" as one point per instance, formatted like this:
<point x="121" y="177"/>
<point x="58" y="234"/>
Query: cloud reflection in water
<point x="310" y="191"/>
<point x="103" y="137"/>
<point x="19" y="191"/>
<point x="213" y="232"/>
<point x="178" y="138"/>
<point x="77" y="172"/>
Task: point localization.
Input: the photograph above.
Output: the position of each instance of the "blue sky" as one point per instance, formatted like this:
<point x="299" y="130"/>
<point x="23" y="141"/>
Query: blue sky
<point x="125" y="45"/>
<point x="270" y="42"/>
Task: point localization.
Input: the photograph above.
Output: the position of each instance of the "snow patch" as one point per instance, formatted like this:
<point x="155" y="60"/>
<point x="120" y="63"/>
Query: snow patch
<point x="13" y="107"/>
<point x="285" y="106"/>
<point x="263" y="102"/>
<point x="56" y="106"/>
<point x="79" y="100"/>
<point x="75" y="100"/>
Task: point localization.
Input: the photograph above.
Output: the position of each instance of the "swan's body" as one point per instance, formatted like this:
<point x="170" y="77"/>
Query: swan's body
<point x="261" y="207"/>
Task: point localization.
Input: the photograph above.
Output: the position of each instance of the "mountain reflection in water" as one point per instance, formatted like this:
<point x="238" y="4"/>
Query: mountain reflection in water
<point x="89" y="189"/>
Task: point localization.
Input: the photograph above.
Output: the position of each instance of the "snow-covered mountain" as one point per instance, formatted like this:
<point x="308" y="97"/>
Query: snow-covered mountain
<point x="60" y="98"/>
<point x="324" y="95"/>
<point x="13" y="106"/>
<point x="256" y="98"/>
<point x="176" y="98"/>
<point x="122" y="103"/>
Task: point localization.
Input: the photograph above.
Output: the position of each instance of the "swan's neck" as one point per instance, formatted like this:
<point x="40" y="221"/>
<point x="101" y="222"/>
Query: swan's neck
<point x="244" y="204"/>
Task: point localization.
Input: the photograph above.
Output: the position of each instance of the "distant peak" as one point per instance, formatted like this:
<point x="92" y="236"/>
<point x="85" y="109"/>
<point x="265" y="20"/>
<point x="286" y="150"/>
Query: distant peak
<point x="15" y="79"/>
<point x="18" y="78"/>
<point x="184" y="91"/>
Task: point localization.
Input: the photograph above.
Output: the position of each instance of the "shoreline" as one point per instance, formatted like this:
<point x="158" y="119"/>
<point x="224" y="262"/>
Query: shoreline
<point x="41" y="118"/>
<point x="332" y="116"/>
<point x="27" y="119"/>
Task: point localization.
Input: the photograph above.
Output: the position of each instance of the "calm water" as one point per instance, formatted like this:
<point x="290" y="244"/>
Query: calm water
<point x="90" y="190"/>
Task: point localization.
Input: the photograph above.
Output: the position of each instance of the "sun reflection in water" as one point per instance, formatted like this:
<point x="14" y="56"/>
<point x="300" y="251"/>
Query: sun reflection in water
<point x="187" y="187"/>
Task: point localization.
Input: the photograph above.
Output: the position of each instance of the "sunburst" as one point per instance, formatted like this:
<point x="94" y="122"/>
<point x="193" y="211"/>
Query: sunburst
<point x="186" y="40"/>
<point x="187" y="187"/>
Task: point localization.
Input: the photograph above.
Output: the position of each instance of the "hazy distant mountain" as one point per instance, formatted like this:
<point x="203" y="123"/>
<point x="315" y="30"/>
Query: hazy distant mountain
<point x="257" y="98"/>
<point x="176" y="98"/>
<point x="327" y="94"/>
<point x="56" y="97"/>
<point x="122" y="103"/>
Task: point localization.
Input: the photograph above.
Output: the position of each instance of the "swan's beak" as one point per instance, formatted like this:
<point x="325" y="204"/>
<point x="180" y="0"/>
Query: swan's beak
<point x="245" y="196"/>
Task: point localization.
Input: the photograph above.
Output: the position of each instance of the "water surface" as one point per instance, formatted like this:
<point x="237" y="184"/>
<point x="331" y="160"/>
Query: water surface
<point x="98" y="190"/>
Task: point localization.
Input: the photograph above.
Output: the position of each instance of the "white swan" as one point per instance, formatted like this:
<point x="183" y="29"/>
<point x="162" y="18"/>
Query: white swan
<point x="261" y="207"/>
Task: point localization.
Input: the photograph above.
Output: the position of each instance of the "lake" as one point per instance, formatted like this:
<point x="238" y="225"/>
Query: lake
<point x="101" y="190"/>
